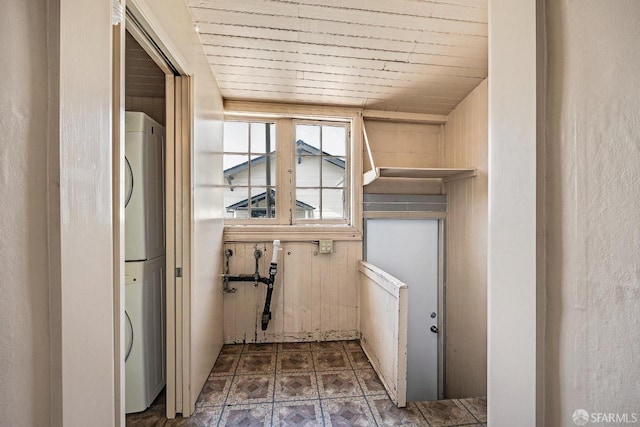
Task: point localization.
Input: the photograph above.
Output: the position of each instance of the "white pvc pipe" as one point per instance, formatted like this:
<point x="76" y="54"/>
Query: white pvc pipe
<point x="276" y="248"/>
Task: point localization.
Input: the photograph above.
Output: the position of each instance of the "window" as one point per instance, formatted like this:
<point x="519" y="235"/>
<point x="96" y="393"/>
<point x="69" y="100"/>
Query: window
<point x="321" y="166"/>
<point x="286" y="171"/>
<point x="250" y="169"/>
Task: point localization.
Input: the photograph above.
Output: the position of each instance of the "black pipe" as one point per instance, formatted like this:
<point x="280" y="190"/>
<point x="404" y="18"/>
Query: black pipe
<point x="256" y="278"/>
<point x="266" y="313"/>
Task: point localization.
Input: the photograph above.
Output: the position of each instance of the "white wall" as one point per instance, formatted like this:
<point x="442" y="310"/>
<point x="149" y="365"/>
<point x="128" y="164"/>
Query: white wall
<point x="592" y="208"/>
<point x="466" y="143"/>
<point x="24" y="306"/>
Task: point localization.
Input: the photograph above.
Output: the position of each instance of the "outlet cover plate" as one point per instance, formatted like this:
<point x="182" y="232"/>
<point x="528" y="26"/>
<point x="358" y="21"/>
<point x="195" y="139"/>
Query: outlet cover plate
<point x="326" y="246"/>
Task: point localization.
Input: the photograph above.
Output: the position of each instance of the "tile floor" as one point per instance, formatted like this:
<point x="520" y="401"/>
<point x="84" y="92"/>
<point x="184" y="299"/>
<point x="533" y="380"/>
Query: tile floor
<point x="306" y="384"/>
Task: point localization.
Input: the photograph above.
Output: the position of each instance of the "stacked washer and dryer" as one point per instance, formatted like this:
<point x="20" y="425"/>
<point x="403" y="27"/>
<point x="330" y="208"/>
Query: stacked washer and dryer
<point x="145" y="346"/>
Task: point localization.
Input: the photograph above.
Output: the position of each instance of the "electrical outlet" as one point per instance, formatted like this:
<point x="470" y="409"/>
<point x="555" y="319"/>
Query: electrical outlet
<point x="326" y="246"/>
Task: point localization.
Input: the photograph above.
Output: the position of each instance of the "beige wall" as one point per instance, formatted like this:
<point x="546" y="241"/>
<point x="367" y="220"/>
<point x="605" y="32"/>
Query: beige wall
<point x="403" y="145"/>
<point x="592" y="208"/>
<point x="24" y="306"/>
<point x="56" y="352"/>
<point x="315" y="296"/>
<point x="466" y="139"/>
<point x="205" y="293"/>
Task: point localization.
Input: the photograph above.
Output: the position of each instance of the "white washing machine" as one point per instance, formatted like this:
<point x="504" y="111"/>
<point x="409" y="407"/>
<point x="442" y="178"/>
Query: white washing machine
<point x="144" y="192"/>
<point x="145" y="360"/>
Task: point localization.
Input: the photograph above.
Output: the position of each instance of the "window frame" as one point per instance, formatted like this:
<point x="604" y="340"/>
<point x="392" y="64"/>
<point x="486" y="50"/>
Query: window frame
<point x="249" y="220"/>
<point x="348" y="155"/>
<point x="284" y="115"/>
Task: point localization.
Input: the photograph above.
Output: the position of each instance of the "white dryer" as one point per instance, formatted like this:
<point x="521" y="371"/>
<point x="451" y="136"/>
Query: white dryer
<point x="144" y="192"/>
<point x="145" y="346"/>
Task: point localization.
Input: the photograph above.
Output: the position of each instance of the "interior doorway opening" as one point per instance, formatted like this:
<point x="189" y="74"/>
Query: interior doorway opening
<point x="151" y="95"/>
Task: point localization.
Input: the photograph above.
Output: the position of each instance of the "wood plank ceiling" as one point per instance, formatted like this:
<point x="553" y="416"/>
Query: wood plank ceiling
<point x="418" y="56"/>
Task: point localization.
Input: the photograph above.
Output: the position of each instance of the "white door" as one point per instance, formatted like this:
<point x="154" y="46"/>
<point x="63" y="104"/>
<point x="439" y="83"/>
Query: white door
<point x="408" y="249"/>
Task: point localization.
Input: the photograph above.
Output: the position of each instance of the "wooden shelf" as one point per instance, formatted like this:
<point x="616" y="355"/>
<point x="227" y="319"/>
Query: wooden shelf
<point x="400" y="174"/>
<point x="442" y="174"/>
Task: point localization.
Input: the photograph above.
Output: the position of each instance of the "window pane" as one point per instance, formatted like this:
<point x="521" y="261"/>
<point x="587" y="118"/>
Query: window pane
<point x="333" y="172"/>
<point x="235" y="202"/>
<point x="263" y="170"/>
<point x="236" y="137"/>
<point x="263" y="202"/>
<point x="308" y="203"/>
<point x="332" y="204"/>
<point x="308" y="171"/>
<point x="334" y="140"/>
<point x="259" y="142"/>
<point x="234" y="163"/>
<point x="309" y="135"/>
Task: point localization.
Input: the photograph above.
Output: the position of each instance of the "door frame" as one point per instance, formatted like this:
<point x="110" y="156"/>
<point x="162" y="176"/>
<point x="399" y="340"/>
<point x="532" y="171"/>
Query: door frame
<point x="441" y="218"/>
<point x="148" y="32"/>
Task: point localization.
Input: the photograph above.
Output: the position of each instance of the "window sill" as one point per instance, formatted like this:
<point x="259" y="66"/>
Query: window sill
<point x="290" y="233"/>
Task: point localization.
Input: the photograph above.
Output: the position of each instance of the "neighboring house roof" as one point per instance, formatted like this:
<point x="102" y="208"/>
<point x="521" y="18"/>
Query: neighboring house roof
<point x="301" y="149"/>
<point x="243" y="204"/>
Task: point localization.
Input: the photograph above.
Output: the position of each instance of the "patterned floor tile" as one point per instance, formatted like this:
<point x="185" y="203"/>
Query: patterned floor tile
<point x="305" y="413"/>
<point x="441" y="413"/>
<point x="261" y="348"/>
<point x="231" y="349"/>
<point x="330" y="361"/>
<point x="202" y="417"/>
<point x="327" y="346"/>
<point x="256" y="363"/>
<point x="251" y="389"/>
<point x="338" y="384"/>
<point x="215" y="391"/>
<point x="294" y="361"/>
<point x="370" y="382"/>
<point x="247" y="415"/>
<point x="296" y="386"/>
<point x="477" y="406"/>
<point x="147" y="418"/>
<point x="294" y="346"/>
<point x="305" y="372"/>
<point x="225" y="365"/>
<point x="387" y="413"/>
<point x="154" y="416"/>
<point x="351" y="345"/>
<point x="347" y="412"/>
<point x="358" y="359"/>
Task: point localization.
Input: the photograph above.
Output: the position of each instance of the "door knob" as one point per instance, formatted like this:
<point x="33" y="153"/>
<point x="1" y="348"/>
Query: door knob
<point x="434" y="329"/>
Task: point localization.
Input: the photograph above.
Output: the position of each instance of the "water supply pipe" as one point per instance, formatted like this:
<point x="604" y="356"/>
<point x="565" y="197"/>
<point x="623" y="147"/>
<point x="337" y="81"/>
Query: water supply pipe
<point x="256" y="278"/>
<point x="273" y="269"/>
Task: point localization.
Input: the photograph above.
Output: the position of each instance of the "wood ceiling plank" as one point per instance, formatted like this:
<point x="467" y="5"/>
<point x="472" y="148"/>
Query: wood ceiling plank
<point x="377" y="22"/>
<point x="437" y="89"/>
<point x="387" y="22"/>
<point x="424" y="9"/>
<point x="338" y="90"/>
<point x="331" y="64"/>
<point x="416" y="56"/>
<point x="355" y="77"/>
<point x="252" y="48"/>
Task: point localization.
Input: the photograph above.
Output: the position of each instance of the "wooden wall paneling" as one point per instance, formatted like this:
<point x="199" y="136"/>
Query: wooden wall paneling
<point x="153" y="106"/>
<point x="403" y="144"/>
<point x="466" y="145"/>
<point x="338" y="291"/>
<point x="300" y="301"/>
<point x="315" y="295"/>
